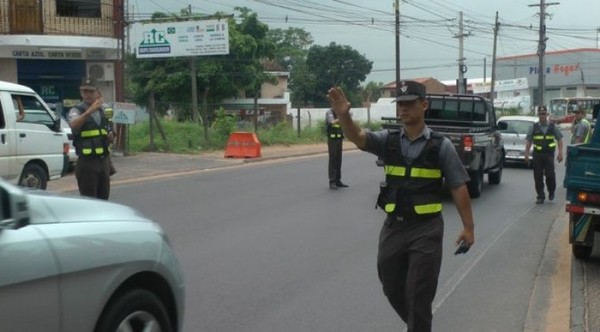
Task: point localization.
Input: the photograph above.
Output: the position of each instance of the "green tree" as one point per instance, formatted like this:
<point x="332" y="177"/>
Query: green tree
<point x="371" y="92"/>
<point x="336" y="65"/>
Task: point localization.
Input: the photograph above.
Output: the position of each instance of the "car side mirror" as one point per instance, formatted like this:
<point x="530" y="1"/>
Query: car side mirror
<point x="14" y="208"/>
<point x="502" y="125"/>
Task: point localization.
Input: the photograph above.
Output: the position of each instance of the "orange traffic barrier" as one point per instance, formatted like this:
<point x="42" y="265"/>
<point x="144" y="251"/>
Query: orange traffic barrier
<point x="242" y="145"/>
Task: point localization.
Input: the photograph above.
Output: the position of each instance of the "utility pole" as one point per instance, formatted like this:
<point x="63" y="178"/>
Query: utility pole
<point x="462" y="68"/>
<point x="492" y="87"/>
<point x="397" y="13"/>
<point x="542" y="50"/>
<point x="597" y="33"/>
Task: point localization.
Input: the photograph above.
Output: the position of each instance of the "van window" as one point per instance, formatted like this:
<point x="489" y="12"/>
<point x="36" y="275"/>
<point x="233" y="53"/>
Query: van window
<point x="2" y="121"/>
<point x="34" y="110"/>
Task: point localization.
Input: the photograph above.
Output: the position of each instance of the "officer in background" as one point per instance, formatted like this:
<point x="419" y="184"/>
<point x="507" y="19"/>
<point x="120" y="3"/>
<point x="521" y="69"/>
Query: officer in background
<point x="417" y="162"/>
<point x="544" y="136"/>
<point x="91" y="137"/>
<point x="335" y="139"/>
<point x="581" y="132"/>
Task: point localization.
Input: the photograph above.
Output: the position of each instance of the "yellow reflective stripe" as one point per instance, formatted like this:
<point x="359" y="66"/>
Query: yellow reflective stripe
<point x="86" y="151"/>
<point x="429" y="173"/>
<point x="553" y="144"/>
<point x="390" y="207"/>
<point x="99" y="150"/>
<point x="428" y="208"/>
<point x="539" y="137"/>
<point x="93" y="133"/>
<point x="336" y="125"/>
<point x="394" y="170"/>
<point x="90" y="133"/>
<point x="335" y="136"/>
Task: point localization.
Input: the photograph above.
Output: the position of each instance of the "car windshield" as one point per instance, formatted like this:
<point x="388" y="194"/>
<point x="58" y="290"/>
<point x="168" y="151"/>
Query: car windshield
<point x="518" y="126"/>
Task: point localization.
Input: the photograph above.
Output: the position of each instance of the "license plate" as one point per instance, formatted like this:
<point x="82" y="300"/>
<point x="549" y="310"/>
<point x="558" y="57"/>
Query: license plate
<point x="512" y="153"/>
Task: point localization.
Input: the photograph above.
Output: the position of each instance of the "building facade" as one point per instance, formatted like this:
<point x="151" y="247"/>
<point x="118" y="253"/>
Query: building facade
<point x="568" y="73"/>
<point x="52" y="45"/>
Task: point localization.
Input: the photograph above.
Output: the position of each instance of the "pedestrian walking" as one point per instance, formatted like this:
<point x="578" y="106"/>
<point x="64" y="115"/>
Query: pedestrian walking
<point x="581" y="131"/>
<point x="416" y="162"/>
<point x="545" y="137"/>
<point x="335" y="139"/>
<point x="91" y="137"/>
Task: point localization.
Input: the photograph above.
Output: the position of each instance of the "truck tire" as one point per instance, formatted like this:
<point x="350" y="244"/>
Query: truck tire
<point x="33" y="176"/>
<point x="494" y="177"/>
<point x="475" y="186"/>
<point x="581" y="252"/>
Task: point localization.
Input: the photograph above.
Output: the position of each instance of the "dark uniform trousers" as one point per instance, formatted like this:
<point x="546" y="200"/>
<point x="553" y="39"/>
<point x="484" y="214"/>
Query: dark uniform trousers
<point x="334" y="147"/>
<point x="93" y="177"/>
<point x="408" y="264"/>
<point x="543" y="165"/>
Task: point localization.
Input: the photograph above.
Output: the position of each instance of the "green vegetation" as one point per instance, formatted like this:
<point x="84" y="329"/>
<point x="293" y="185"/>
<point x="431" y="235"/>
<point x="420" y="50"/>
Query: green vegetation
<point x="188" y="137"/>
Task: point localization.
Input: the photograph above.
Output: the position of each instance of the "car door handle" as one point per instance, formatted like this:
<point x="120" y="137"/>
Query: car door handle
<point x="3" y="138"/>
<point x="22" y="135"/>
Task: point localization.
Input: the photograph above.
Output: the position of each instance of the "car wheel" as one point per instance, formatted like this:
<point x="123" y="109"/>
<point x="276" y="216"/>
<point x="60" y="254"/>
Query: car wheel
<point x="33" y="176"/>
<point x="136" y="310"/>
<point x="581" y="252"/>
<point x="475" y="186"/>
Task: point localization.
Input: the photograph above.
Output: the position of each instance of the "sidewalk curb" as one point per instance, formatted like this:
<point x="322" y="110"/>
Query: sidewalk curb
<point x="578" y="321"/>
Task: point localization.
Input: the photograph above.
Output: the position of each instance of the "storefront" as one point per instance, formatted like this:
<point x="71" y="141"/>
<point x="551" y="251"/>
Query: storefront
<point x="568" y="73"/>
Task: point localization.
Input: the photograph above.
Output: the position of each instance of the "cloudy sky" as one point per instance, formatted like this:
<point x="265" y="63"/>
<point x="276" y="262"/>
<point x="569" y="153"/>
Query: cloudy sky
<point x="428" y="28"/>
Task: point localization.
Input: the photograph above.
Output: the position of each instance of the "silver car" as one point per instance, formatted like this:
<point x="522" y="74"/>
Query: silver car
<point x="514" y="129"/>
<point x="80" y="264"/>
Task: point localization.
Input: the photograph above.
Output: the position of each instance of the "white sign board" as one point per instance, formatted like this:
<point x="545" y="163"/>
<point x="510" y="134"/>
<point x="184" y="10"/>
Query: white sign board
<point x="190" y="38"/>
<point x="124" y="113"/>
<point x="504" y="85"/>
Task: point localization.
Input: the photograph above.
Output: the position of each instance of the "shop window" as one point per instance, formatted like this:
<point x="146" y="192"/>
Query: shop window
<point x="78" y="8"/>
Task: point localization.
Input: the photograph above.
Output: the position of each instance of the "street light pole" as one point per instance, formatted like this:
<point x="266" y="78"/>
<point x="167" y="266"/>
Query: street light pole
<point x="397" y="12"/>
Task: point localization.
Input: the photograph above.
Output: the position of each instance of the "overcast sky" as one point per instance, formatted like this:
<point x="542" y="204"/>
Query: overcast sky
<point x="428" y="43"/>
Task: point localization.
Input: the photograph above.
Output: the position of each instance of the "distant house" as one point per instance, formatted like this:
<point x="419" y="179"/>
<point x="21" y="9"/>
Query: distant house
<point x="431" y="84"/>
<point x="273" y="101"/>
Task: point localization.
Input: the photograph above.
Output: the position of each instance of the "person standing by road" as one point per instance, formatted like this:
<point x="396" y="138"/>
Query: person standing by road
<point x="91" y="139"/>
<point x="581" y="131"/>
<point x="416" y="161"/>
<point x="335" y="139"/>
<point x="544" y="136"/>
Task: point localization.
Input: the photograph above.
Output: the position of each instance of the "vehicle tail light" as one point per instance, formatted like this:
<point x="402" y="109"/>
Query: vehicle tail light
<point x="65" y="148"/>
<point x="590" y="198"/>
<point x="574" y="208"/>
<point x="468" y="143"/>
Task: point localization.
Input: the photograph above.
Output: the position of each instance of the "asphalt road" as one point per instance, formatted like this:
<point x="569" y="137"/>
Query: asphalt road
<point x="268" y="247"/>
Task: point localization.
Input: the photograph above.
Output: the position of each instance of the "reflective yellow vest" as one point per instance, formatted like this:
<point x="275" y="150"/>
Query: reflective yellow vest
<point x="412" y="190"/>
<point x="544" y="142"/>
<point x="92" y="140"/>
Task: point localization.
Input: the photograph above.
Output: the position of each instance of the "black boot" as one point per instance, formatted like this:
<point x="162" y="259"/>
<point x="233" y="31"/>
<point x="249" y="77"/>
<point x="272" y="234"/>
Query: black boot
<point x="332" y="185"/>
<point x="340" y="184"/>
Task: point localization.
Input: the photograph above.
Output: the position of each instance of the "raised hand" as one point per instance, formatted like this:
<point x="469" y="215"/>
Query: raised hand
<point x="338" y="101"/>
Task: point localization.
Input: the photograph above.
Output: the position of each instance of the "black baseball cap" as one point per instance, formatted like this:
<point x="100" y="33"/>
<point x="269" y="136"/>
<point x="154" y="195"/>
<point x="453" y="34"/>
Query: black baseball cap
<point x="88" y="84"/>
<point x="410" y="90"/>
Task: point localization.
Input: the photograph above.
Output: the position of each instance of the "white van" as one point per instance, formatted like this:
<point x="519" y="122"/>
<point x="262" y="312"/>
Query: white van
<point x="33" y="148"/>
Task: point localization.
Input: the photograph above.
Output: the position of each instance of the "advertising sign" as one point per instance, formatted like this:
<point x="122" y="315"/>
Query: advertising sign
<point x="175" y="39"/>
<point x="124" y="113"/>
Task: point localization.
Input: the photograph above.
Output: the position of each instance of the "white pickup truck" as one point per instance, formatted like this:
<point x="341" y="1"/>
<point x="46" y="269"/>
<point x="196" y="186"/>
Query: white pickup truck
<point x="33" y="148"/>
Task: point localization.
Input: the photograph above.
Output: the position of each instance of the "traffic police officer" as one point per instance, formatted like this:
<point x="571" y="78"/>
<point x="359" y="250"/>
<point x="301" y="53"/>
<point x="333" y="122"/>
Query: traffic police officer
<point x="544" y="136"/>
<point x="91" y="135"/>
<point x="416" y="160"/>
<point x="335" y="139"/>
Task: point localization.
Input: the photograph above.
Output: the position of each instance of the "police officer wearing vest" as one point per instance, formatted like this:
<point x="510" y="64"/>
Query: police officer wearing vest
<point x="416" y="163"/>
<point x="545" y="137"/>
<point x="91" y="139"/>
<point x="335" y="138"/>
<point x="582" y="129"/>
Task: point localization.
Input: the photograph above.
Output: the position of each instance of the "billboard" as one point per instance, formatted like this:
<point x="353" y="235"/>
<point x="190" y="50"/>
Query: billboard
<point x="177" y="39"/>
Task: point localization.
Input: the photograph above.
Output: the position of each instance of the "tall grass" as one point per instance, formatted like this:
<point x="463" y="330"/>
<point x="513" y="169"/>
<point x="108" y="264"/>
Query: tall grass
<point x="188" y="137"/>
